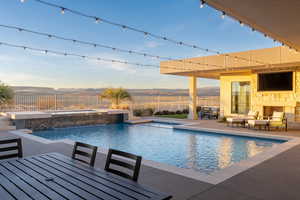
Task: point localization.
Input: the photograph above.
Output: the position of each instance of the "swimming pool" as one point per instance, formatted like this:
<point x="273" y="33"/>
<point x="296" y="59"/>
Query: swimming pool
<point x="201" y="151"/>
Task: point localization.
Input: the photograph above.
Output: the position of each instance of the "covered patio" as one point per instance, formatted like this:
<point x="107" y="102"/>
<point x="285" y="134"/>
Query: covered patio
<point x="243" y="67"/>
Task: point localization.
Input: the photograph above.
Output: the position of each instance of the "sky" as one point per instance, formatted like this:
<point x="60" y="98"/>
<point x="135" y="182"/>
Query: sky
<point x="182" y="20"/>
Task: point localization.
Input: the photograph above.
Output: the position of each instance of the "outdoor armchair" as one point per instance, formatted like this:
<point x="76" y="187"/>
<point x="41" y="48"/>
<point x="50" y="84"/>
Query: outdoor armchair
<point x="85" y="153"/>
<point x="11" y="148"/>
<point x="278" y="120"/>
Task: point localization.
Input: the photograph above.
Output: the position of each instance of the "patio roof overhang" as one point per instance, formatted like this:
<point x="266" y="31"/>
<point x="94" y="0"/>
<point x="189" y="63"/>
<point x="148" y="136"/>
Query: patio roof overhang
<point x="269" y="59"/>
<point x="277" y="19"/>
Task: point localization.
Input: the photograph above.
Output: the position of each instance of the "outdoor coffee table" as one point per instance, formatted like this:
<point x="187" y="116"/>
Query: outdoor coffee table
<point x="57" y="177"/>
<point x="259" y="123"/>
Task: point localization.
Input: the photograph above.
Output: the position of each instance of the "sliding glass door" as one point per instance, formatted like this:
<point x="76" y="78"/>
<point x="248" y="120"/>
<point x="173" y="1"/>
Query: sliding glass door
<point x="240" y="97"/>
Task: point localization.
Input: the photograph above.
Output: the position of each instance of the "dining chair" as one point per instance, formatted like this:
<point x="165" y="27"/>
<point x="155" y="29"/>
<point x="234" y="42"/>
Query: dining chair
<point x="117" y="160"/>
<point x="87" y="151"/>
<point x="12" y="148"/>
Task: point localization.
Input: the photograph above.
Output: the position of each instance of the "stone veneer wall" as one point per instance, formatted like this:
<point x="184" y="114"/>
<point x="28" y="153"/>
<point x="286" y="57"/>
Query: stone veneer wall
<point x="290" y="100"/>
<point x="60" y="121"/>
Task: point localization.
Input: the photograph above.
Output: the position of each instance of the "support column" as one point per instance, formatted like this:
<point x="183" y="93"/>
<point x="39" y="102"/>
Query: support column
<point x="193" y="98"/>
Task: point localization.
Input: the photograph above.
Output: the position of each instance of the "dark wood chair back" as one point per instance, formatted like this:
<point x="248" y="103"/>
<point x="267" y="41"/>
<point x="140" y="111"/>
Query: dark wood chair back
<point x="12" y="148"/>
<point x="79" y="152"/>
<point x="113" y="160"/>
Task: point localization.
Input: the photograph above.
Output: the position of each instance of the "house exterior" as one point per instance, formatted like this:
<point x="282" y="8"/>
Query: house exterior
<point x="263" y="80"/>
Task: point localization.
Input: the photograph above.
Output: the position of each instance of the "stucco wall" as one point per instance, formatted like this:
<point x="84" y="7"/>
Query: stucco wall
<point x="287" y="99"/>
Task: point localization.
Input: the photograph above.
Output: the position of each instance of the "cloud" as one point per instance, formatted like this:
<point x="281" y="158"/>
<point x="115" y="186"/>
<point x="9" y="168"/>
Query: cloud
<point x="111" y="65"/>
<point x="227" y="22"/>
<point x="6" y="58"/>
<point x="17" y="78"/>
<point x="153" y="44"/>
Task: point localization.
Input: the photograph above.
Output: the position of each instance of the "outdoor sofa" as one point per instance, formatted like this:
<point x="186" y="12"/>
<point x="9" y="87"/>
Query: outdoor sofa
<point x="278" y="120"/>
<point x="252" y="115"/>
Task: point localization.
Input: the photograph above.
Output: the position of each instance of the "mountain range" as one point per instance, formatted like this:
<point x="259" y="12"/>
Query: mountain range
<point x="30" y="90"/>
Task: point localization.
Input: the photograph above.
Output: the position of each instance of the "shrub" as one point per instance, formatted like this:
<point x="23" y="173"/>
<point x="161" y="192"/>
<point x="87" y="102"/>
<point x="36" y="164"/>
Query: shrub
<point x="6" y="94"/>
<point x="185" y="111"/>
<point x="143" y="112"/>
<point x="137" y="112"/>
<point x="148" y="112"/>
<point x="178" y="112"/>
<point x="165" y="112"/>
<point x="157" y="113"/>
<point x="116" y="96"/>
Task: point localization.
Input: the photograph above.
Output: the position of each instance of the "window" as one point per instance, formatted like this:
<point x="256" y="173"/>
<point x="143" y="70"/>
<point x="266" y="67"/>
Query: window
<point x="240" y="97"/>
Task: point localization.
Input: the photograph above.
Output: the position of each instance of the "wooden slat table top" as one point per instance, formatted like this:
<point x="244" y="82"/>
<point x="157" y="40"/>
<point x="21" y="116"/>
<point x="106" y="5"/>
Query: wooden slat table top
<point x="56" y="177"/>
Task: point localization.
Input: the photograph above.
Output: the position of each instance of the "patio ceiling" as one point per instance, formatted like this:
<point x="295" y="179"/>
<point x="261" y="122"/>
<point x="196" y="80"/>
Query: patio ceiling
<point x="277" y="58"/>
<point x="278" y="19"/>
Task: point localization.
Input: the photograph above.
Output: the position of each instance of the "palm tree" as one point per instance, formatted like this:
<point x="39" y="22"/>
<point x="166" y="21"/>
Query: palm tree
<point x="6" y="93"/>
<point x="116" y="96"/>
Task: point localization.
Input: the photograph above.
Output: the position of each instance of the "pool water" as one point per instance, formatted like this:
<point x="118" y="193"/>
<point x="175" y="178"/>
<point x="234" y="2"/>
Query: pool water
<point x="201" y="151"/>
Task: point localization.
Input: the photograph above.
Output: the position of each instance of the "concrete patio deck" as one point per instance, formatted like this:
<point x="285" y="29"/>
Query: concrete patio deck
<point x="293" y="129"/>
<point x="274" y="179"/>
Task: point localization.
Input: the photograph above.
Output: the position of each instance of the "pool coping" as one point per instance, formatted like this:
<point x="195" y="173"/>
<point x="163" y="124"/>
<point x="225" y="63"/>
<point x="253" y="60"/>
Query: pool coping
<point x="213" y="178"/>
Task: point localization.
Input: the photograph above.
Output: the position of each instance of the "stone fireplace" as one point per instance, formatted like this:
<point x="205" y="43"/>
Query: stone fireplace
<point x="268" y="110"/>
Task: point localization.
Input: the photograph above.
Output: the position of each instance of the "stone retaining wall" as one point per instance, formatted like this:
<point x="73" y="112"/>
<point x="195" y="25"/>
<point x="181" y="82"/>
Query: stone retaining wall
<point x="60" y="121"/>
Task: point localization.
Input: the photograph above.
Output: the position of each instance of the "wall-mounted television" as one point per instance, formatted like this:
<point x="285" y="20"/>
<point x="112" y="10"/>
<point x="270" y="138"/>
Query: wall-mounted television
<point x="279" y="81"/>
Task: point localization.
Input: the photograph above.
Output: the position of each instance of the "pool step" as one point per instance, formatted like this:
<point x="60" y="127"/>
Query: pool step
<point x="138" y="121"/>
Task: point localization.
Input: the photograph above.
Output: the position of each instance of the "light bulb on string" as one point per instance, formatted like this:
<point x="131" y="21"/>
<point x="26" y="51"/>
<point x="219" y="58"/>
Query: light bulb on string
<point x="97" y="20"/>
<point x="223" y="15"/>
<point x="62" y="11"/>
<point x="146" y="34"/>
<point x="202" y="4"/>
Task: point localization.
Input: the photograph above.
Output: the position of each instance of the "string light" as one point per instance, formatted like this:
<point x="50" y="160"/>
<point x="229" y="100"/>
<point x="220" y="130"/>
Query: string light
<point x="241" y="23"/>
<point x="74" y="55"/>
<point x="202" y="4"/>
<point x="46" y="51"/>
<point x="75" y="12"/>
<point x="92" y="44"/>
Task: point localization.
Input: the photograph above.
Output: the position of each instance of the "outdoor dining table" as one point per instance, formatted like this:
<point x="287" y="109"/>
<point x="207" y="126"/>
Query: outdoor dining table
<point x="55" y="176"/>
